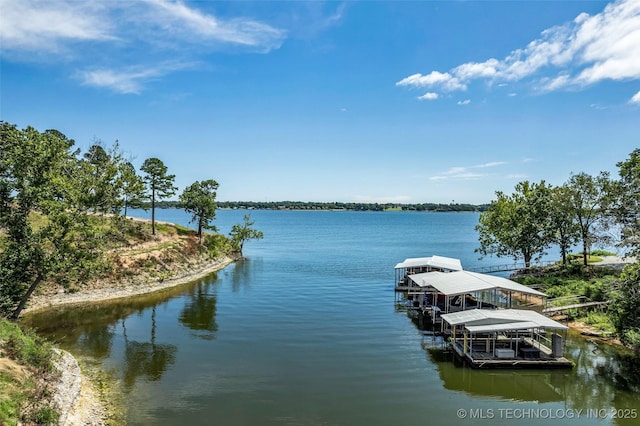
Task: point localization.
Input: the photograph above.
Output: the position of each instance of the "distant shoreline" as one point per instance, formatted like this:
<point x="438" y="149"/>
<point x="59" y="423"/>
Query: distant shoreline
<point x="339" y="206"/>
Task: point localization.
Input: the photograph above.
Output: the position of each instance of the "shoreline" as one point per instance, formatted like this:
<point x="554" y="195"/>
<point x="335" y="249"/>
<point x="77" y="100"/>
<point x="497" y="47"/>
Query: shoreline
<point x="75" y="394"/>
<point x="120" y="291"/>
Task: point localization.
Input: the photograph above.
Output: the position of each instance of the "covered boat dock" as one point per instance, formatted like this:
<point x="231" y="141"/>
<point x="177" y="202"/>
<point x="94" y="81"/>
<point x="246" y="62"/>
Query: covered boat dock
<point x="441" y="293"/>
<point x="418" y="265"/>
<point x="507" y="338"/>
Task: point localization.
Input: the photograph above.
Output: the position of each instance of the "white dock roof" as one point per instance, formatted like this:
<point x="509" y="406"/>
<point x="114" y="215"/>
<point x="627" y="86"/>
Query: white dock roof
<point x="488" y="320"/>
<point x="440" y="262"/>
<point x="462" y="282"/>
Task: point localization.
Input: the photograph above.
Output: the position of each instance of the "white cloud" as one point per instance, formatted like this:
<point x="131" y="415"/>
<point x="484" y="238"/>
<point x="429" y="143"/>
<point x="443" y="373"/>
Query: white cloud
<point x="126" y="81"/>
<point x="180" y="20"/>
<point x="45" y="25"/>
<point x="465" y="102"/>
<point x="445" y="81"/>
<point x="429" y="96"/>
<point x="40" y="25"/>
<point x="517" y="176"/>
<point x="458" y="176"/>
<point x="472" y="70"/>
<point x="635" y="99"/>
<point x="490" y="164"/>
<point x="154" y="32"/>
<point x="466" y="173"/>
<point x="585" y="51"/>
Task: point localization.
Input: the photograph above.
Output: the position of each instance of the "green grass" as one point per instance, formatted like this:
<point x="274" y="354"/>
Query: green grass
<point x="172" y="229"/>
<point x="26" y="347"/>
<point x="593" y="257"/>
<point x="600" y="321"/>
<point x="12" y="396"/>
<point x="17" y="393"/>
<point x="602" y="253"/>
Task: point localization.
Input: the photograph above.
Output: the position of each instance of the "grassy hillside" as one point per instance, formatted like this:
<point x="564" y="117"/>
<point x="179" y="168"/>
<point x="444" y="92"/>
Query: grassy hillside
<point x="26" y="369"/>
<point x="132" y="255"/>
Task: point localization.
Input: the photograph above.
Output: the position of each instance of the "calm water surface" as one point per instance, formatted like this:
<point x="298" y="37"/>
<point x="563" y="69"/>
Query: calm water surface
<point x="305" y="332"/>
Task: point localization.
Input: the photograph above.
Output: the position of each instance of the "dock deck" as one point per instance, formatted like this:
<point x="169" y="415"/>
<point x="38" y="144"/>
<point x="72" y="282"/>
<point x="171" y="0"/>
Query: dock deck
<point x="480" y="359"/>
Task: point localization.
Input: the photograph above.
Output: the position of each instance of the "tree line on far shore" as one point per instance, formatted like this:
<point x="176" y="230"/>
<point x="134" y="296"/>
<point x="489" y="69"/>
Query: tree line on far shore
<point x="335" y="205"/>
<point x="51" y="195"/>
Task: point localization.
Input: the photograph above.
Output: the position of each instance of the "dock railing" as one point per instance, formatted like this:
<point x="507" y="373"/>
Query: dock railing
<point x="506" y="267"/>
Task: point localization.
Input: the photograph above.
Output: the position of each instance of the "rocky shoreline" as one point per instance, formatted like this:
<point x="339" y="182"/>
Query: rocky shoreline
<point x="123" y="290"/>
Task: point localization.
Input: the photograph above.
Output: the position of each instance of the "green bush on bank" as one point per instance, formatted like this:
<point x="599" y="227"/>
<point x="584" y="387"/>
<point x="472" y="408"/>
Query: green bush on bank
<point x="21" y="398"/>
<point x="596" y="284"/>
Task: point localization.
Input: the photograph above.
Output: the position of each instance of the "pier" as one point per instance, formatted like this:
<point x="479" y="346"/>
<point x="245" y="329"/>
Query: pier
<point x="559" y="305"/>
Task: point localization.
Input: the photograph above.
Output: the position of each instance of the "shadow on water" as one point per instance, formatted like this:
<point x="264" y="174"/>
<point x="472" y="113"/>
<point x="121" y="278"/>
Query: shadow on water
<point x="605" y="377"/>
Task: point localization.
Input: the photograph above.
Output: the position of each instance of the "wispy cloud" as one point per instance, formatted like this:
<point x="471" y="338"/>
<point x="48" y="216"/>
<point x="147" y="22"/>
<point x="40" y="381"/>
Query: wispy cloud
<point x="635" y="99"/>
<point x="153" y="32"/>
<point x="175" y="18"/>
<point x="45" y="25"/>
<point x="465" y="102"/>
<point x="466" y="173"/>
<point x="37" y="25"/>
<point x="129" y="80"/>
<point x="585" y="51"/>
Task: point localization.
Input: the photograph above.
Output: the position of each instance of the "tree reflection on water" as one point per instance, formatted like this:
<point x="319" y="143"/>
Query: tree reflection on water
<point x="199" y="314"/>
<point x="116" y="329"/>
<point x="604" y="377"/>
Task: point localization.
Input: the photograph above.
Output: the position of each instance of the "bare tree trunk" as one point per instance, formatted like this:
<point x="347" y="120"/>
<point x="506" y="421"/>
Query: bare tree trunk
<point x="27" y="295"/>
<point x="153" y="211"/>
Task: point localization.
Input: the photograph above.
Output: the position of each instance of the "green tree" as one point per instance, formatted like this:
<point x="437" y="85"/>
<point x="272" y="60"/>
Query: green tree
<point x="37" y="178"/>
<point x="159" y="184"/>
<point x="242" y="232"/>
<point x="589" y="200"/>
<point x="565" y="229"/>
<point x="627" y="208"/>
<point x="98" y="177"/>
<point x="625" y="308"/>
<point x="131" y="187"/>
<point x="199" y="199"/>
<point x="517" y="225"/>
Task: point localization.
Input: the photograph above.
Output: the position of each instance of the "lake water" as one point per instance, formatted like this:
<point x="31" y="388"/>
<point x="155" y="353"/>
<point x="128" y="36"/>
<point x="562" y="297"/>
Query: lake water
<point x="305" y="332"/>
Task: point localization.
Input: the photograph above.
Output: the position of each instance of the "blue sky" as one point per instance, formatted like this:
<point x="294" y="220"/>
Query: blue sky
<point x="385" y="101"/>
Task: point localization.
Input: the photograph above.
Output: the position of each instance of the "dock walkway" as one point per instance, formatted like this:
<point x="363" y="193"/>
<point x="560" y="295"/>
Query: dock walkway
<point x="559" y="309"/>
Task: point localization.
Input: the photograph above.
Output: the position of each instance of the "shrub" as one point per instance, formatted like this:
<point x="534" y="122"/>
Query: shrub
<point x="26" y="347"/>
<point x="25" y="401"/>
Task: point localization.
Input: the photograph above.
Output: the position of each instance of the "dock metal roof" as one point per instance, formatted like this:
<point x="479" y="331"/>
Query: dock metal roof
<point x="462" y="282"/>
<point x="490" y="320"/>
<point x="440" y="262"/>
